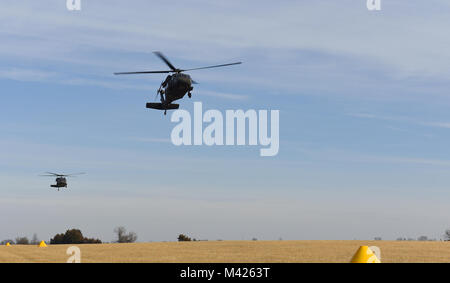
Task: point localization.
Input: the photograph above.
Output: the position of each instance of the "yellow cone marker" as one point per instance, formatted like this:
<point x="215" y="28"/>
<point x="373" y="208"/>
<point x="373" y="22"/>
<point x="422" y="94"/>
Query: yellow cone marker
<point x="365" y="255"/>
<point x="42" y="244"/>
<point x="8" y="244"/>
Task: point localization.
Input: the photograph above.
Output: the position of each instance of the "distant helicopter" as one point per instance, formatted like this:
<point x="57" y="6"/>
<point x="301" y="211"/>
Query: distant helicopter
<point x="61" y="181"/>
<point x="175" y="86"/>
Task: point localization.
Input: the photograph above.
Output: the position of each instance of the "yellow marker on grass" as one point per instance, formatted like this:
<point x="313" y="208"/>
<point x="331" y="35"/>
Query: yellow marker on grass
<point x="365" y="255"/>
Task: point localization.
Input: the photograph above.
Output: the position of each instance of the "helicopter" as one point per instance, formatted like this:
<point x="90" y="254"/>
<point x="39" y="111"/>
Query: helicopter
<point x="175" y="86"/>
<point x="61" y="181"/>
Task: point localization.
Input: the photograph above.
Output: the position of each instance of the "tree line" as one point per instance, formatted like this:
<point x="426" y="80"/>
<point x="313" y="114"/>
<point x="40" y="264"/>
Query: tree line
<point x="446" y="237"/>
<point x="22" y="240"/>
<point x="73" y="236"/>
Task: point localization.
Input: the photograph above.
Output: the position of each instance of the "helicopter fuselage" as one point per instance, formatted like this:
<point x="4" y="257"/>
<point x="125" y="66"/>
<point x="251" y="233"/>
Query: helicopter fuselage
<point x="175" y="87"/>
<point x="60" y="183"/>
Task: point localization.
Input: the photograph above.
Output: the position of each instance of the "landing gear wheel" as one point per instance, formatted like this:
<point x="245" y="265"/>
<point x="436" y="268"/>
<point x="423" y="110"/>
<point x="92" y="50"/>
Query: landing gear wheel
<point x="189" y="94"/>
<point x="165" y="112"/>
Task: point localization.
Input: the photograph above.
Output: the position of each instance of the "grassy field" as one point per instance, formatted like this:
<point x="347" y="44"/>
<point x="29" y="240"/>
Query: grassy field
<point x="232" y="251"/>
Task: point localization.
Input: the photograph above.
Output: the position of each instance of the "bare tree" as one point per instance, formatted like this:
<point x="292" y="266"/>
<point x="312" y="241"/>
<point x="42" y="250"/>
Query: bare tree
<point x="35" y="239"/>
<point x="132" y="237"/>
<point x="123" y="237"/>
<point x="120" y="231"/>
<point x="447" y="235"/>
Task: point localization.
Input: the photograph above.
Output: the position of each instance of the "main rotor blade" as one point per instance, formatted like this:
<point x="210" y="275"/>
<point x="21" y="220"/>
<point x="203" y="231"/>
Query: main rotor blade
<point x="162" y="57"/>
<point x="144" y="72"/>
<point x="54" y="174"/>
<point x="215" y="66"/>
<point x="74" y="174"/>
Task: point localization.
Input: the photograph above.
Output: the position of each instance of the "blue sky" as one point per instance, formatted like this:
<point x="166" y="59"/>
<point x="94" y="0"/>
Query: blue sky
<point x="364" y="123"/>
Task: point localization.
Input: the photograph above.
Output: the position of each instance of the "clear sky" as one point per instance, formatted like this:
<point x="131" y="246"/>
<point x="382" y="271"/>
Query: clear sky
<point x="364" y="121"/>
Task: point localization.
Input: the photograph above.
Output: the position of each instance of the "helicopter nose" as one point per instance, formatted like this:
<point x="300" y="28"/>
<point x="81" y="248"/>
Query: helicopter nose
<point x="191" y="81"/>
<point x="188" y="79"/>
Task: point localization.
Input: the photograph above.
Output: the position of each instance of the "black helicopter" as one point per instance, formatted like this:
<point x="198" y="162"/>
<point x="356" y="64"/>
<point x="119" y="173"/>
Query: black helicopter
<point x="61" y="181"/>
<point x="175" y="86"/>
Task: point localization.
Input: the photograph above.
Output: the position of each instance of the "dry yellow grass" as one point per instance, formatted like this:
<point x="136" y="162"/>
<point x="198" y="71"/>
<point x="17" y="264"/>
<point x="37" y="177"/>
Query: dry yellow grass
<point x="232" y="251"/>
